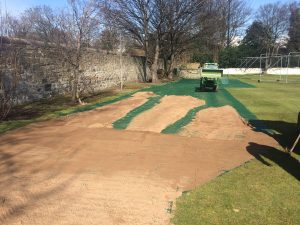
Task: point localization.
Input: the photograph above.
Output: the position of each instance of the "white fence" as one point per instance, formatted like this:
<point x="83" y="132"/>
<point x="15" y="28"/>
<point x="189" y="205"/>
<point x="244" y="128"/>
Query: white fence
<point x="241" y="71"/>
<point x="275" y="71"/>
<point x="195" y="74"/>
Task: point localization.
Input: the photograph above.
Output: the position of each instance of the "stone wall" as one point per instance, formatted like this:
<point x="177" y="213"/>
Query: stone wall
<point x="190" y="74"/>
<point x="40" y="75"/>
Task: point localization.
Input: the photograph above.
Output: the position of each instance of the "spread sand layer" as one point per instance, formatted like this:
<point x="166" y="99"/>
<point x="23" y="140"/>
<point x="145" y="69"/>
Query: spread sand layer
<point x="222" y="123"/>
<point x="64" y="172"/>
<point x="168" y="111"/>
<point x="106" y="115"/>
<point x="57" y="174"/>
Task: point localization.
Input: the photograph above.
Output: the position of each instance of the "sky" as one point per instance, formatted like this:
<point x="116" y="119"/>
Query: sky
<point x="256" y="3"/>
<point x="17" y="6"/>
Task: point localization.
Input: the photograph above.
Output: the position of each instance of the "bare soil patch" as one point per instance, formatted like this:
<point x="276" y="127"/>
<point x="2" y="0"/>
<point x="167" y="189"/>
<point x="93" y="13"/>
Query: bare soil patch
<point x="168" y="111"/>
<point x="77" y="171"/>
<point x="106" y="115"/>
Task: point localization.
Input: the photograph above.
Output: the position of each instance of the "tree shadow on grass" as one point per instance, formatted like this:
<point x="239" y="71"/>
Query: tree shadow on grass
<point x="282" y="159"/>
<point x="283" y="132"/>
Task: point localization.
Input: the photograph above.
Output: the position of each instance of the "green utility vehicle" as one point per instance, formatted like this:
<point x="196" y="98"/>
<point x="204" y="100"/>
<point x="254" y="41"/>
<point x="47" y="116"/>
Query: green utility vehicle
<point x="210" y="75"/>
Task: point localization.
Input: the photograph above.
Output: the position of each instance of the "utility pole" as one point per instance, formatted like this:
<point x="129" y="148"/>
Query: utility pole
<point x="121" y="62"/>
<point x="1" y="24"/>
<point x="228" y="22"/>
<point x="5" y="24"/>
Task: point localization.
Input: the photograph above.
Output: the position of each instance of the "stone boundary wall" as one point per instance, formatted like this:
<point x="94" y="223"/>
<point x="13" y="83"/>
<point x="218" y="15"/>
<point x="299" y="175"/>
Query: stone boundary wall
<point x="40" y="76"/>
<point x="189" y="74"/>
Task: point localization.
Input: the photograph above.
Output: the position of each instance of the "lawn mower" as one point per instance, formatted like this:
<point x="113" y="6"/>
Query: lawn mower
<point x="210" y="75"/>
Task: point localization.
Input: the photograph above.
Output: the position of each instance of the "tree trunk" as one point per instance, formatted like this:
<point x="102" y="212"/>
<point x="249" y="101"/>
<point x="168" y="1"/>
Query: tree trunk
<point x="171" y="67"/>
<point x="146" y="46"/>
<point x="216" y="54"/>
<point x="165" y="66"/>
<point x="268" y="59"/>
<point x="154" y="66"/>
<point x="146" y="62"/>
<point x="75" y="93"/>
<point x="144" y="68"/>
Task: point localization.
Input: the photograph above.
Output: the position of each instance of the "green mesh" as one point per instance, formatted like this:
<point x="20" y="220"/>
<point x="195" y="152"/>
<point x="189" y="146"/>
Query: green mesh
<point x="175" y="127"/>
<point x="188" y="88"/>
<point x="123" y="122"/>
<point x="182" y="87"/>
<point x="212" y="99"/>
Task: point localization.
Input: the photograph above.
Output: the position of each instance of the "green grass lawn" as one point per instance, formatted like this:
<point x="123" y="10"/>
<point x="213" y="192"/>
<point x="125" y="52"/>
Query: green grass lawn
<point x="270" y="101"/>
<point x="275" y="104"/>
<point x="265" y="191"/>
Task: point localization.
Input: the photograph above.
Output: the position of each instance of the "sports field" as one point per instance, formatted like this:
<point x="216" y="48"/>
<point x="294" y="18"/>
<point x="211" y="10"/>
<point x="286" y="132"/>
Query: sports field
<point x="127" y="160"/>
<point x="265" y="190"/>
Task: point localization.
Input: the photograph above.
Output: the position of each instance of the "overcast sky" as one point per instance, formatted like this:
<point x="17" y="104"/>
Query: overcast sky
<point x="17" y="6"/>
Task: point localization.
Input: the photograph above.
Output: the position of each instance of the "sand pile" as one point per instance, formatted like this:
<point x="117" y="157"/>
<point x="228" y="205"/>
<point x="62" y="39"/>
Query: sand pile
<point x="106" y="115"/>
<point x="168" y="111"/>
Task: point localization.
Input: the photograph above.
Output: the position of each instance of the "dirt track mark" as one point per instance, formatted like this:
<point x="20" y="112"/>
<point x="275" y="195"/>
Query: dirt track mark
<point x="168" y="111"/>
<point x="106" y="115"/>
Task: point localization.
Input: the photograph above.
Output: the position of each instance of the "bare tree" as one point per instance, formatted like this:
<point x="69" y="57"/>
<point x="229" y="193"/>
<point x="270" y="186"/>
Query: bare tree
<point x="68" y="34"/>
<point x="294" y="27"/>
<point x="211" y="25"/>
<point x="180" y="20"/>
<point x="109" y="40"/>
<point x="276" y="18"/>
<point x="238" y="14"/>
<point x="159" y="26"/>
<point x="159" y="32"/>
<point x="133" y="17"/>
<point x="219" y="22"/>
<point x="21" y="26"/>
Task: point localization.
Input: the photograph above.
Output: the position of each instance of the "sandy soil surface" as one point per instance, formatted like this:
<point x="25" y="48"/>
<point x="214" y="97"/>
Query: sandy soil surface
<point x="223" y="123"/>
<point x="168" y="111"/>
<point x="106" y="115"/>
<point x="51" y="173"/>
